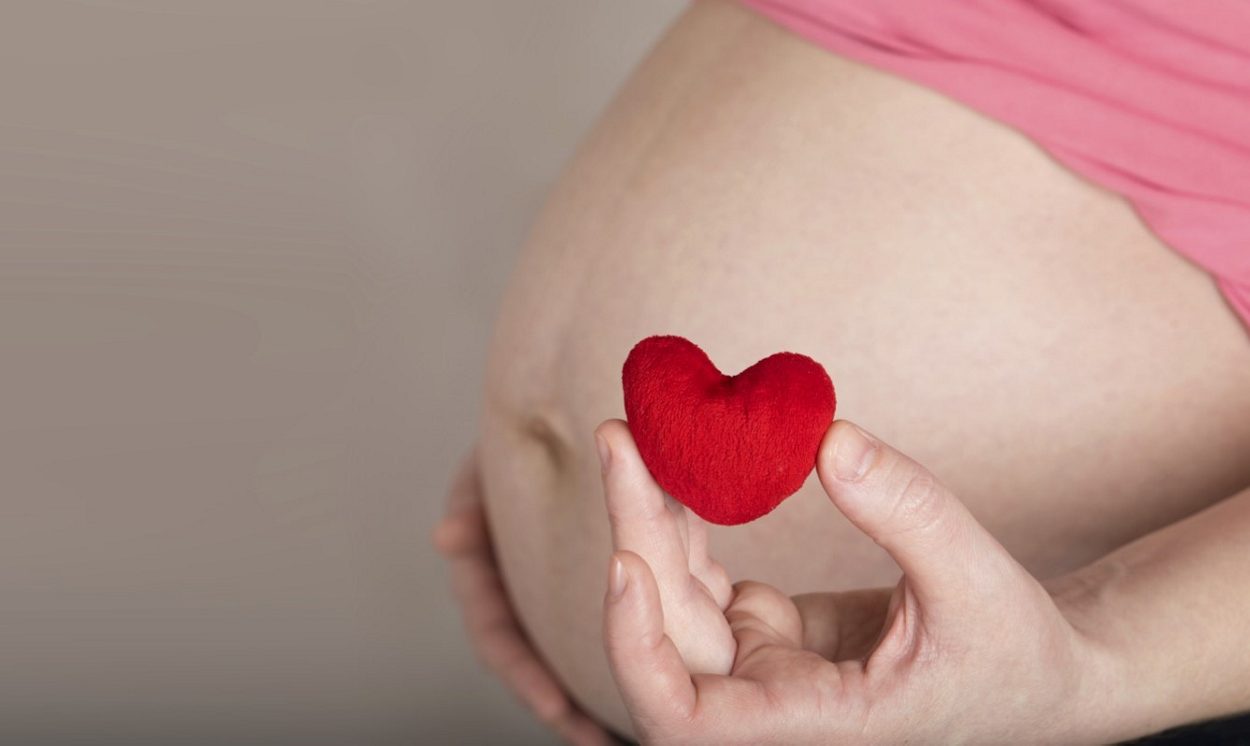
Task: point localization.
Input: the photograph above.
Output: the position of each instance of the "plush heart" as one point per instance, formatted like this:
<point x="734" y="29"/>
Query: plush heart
<point x="730" y="448"/>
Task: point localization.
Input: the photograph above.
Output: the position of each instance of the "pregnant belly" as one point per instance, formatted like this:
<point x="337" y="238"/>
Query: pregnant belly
<point x="1017" y="331"/>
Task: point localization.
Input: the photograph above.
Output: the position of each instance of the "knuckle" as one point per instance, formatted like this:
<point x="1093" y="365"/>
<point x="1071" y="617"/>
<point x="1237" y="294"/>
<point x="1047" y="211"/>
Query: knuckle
<point x="614" y="643"/>
<point x="746" y="588"/>
<point x="646" y="512"/>
<point x="621" y="649"/>
<point x="919" y="507"/>
<point x="747" y="597"/>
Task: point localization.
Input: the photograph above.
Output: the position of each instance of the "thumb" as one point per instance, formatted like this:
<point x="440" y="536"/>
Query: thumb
<point x="945" y="554"/>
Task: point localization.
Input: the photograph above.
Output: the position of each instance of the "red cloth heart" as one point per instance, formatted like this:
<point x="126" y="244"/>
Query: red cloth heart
<point x="730" y="448"/>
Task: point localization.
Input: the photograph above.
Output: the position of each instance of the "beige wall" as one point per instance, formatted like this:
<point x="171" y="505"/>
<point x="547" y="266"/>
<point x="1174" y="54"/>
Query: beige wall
<point x="250" y="252"/>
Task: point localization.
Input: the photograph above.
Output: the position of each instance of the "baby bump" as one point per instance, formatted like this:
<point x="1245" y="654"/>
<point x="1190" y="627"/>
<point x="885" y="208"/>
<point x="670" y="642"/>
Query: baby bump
<point x="976" y="305"/>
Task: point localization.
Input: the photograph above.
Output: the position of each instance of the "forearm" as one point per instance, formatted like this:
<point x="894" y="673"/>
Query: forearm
<point x="1172" y="609"/>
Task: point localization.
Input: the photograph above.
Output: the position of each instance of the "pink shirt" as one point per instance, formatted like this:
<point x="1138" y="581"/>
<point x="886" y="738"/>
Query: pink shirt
<point x="1148" y="98"/>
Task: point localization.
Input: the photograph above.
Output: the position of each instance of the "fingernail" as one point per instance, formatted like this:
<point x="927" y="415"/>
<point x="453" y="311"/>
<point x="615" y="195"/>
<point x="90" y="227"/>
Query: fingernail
<point x="605" y="453"/>
<point x="852" y="454"/>
<point x="617" y="578"/>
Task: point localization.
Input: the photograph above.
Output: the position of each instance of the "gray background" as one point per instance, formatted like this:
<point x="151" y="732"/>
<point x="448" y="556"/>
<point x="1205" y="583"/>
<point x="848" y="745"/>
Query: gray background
<point x="250" y="252"/>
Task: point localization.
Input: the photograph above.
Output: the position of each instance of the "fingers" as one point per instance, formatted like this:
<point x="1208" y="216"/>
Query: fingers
<point x="494" y="631"/>
<point x="702" y="566"/>
<point x="462" y="532"/>
<point x="496" y="635"/>
<point x="761" y="617"/>
<point x="463" y="528"/>
<point x="941" y="548"/>
<point x="642" y="521"/>
<point x="648" y="523"/>
<point x="649" y="671"/>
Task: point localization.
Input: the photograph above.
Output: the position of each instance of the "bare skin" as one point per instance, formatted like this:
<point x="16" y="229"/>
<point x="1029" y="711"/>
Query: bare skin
<point x="1018" y="331"/>
<point x="968" y="647"/>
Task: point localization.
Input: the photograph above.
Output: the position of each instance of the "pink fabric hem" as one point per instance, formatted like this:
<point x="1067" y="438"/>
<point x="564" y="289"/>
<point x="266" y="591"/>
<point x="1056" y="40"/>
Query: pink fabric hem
<point x="1148" y="98"/>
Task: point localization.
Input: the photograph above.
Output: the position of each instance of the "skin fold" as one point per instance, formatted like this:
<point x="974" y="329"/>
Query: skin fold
<point x="1074" y="384"/>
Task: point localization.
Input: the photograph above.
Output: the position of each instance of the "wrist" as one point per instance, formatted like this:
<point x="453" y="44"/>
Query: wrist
<point x="1121" y="694"/>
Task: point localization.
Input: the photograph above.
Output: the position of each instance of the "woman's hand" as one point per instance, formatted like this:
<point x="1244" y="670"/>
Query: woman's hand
<point x="463" y="538"/>
<point x="967" y="648"/>
<point x="694" y="589"/>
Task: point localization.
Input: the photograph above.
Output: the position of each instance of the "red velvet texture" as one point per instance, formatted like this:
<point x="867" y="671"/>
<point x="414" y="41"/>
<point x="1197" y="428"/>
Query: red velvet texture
<point x="730" y="448"/>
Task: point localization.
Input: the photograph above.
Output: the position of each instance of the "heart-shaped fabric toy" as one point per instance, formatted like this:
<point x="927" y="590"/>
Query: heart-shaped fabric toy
<point x="730" y="448"/>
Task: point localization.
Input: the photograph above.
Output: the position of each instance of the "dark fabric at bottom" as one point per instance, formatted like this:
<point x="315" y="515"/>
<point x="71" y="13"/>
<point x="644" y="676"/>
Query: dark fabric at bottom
<point x="1234" y="731"/>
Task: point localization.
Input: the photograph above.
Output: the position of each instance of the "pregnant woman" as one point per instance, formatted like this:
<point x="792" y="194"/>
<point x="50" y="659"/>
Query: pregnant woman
<point x="1016" y="271"/>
